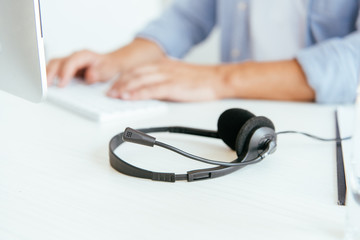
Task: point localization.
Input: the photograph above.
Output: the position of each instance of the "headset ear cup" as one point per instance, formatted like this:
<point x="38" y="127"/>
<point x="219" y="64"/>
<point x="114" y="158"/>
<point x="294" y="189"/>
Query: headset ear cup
<point x="230" y="123"/>
<point x="247" y="130"/>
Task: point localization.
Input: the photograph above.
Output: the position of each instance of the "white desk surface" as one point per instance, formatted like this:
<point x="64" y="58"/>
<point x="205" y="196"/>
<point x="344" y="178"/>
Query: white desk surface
<point x="56" y="181"/>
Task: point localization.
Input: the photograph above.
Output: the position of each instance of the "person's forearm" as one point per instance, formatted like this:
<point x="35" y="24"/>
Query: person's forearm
<point x="282" y="80"/>
<point x="138" y="52"/>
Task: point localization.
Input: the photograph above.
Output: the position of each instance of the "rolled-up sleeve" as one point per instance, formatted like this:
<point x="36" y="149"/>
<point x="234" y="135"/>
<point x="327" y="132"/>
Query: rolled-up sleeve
<point x="184" y="24"/>
<point x="332" y="68"/>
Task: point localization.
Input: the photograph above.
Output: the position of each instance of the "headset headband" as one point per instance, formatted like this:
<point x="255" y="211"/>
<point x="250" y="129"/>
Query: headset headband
<point x="194" y="175"/>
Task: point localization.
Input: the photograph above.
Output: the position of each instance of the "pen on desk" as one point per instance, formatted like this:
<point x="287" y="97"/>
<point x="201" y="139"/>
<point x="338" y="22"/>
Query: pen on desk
<point x="341" y="182"/>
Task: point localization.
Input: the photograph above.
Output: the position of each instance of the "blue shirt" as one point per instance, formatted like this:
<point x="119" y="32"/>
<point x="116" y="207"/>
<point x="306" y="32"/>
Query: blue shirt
<point x="330" y="60"/>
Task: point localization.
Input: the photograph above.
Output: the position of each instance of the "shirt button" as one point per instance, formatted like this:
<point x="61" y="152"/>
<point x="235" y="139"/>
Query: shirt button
<point x="235" y="53"/>
<point x="242" y="6"/>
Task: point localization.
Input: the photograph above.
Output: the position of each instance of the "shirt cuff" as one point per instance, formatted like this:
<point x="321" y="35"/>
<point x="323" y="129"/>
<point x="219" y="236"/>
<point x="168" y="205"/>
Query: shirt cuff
<point x="331" y="70"/>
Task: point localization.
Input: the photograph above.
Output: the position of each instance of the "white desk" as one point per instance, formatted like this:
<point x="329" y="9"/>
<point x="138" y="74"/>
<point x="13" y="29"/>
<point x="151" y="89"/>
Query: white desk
<point x="56" y="181"/>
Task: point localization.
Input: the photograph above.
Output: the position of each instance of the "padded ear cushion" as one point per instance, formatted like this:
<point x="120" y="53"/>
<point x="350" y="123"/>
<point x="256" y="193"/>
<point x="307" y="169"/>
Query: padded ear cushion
<point x="230" y="123"/>
<point x="245" y="133"/>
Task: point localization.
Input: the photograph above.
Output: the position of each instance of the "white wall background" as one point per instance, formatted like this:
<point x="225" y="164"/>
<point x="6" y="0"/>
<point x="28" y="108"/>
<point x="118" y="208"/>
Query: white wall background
<point x="105" y="25"/>
<point x="207" y="52"/>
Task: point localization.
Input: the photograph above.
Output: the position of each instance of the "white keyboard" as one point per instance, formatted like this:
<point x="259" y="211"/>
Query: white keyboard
<point x="91" y="101"/>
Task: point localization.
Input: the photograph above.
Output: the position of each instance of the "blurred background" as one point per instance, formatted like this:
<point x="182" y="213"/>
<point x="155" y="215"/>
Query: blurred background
<point x="105" y="25"/>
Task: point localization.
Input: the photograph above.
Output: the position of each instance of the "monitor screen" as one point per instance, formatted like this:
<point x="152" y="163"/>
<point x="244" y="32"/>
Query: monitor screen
<point x="22" y="60"/>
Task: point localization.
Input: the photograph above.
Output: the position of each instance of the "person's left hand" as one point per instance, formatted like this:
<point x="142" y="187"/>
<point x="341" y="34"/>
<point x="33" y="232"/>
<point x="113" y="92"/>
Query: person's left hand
<point x="169" y="80"/>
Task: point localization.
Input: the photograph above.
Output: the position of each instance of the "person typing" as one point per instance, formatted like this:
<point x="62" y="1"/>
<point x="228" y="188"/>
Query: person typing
<point x="303" y="50"/>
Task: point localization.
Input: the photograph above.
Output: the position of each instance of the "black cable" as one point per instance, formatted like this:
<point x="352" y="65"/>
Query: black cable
<point x="208" y="161"/>
<point x="315" y="137"/>
<point x="236" y="161"/>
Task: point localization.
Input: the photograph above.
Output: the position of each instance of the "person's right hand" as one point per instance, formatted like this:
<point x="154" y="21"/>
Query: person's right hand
<point x="94" y="67"/>
<point x="88" y="65"/>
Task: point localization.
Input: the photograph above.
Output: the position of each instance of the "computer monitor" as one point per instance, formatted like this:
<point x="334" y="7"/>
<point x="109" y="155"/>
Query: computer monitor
<point x="22" y="60"/>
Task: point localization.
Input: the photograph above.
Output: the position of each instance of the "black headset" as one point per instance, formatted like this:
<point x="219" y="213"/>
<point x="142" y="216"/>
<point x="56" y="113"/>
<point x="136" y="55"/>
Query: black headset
<point x="252" y="137"/>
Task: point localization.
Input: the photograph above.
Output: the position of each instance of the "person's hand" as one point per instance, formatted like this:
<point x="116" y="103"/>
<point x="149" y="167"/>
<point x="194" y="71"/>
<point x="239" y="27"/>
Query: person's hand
<point x="94" y="67"/>
<point x="170" y="80"/>
<point x="90" y="66"/>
